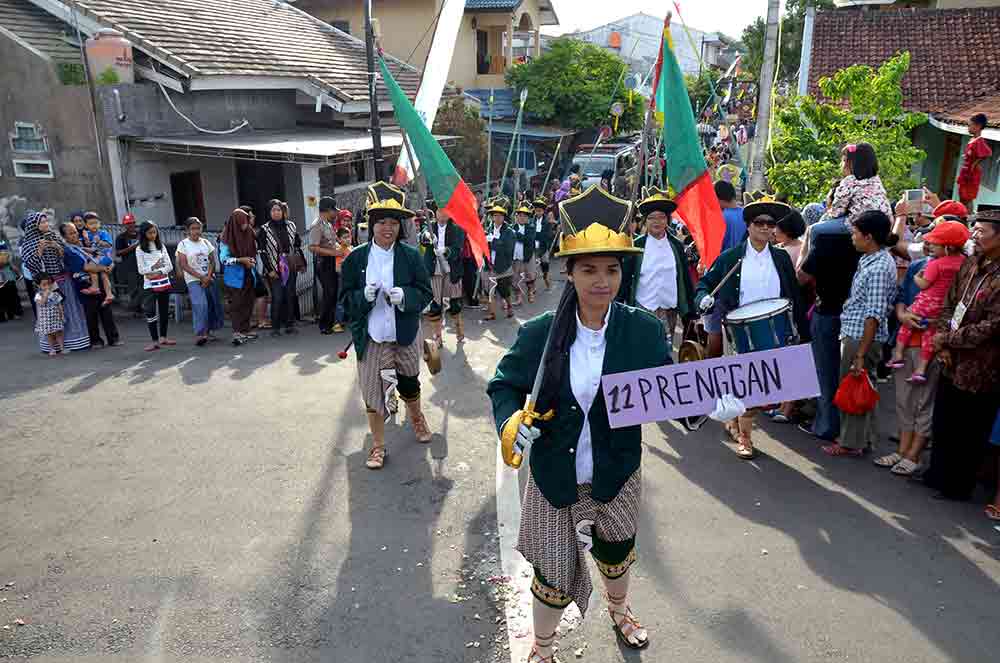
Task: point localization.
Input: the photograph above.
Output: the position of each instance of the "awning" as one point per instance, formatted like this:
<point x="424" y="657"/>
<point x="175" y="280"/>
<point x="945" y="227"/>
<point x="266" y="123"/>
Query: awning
<point x="539" y="131"/>
<point x="317" y="147"/>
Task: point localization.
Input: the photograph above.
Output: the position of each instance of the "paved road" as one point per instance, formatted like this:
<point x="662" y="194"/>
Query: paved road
<point x="211" y="504"/>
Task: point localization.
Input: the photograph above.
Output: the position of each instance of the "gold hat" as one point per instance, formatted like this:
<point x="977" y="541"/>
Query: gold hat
<point x="386" y="201"/>
<point x="656" y="200"/>
<point x="499" y="205"/>
<point x="595" y="222"/>
<point x="541" y="202"/>
<point x="525" y="208"/>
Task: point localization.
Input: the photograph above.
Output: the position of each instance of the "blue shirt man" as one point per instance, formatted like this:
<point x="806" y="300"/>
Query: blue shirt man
<point x="736" y="228"/>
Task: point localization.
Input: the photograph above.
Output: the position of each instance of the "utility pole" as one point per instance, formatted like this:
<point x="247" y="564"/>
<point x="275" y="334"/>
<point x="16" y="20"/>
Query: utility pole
<point x="376" y="127"/>
<point x="764" y="98"/>
<point x="807" y="42"/>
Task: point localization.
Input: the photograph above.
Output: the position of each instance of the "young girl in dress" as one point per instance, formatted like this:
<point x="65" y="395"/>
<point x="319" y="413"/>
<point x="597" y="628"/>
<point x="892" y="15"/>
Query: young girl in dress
<point x="48" y="302"/>
<point x="945" y="243"/>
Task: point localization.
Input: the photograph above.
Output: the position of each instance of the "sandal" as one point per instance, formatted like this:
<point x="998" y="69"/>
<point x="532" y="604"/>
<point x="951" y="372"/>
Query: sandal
<point x="535" y="656"/>
<point x="744" y="448"/>
<point x="376" y="458"/>
<point x="781" y="419"/>
<point x="888" y="461"/>
<point x="992" y="511"/>
<point x="629" y="628"/>
<point x="904" y="468"/>
<point x="152" y="347"/>
<point x="836" y="450"/>
<point x="917" y="378"/>
<point x="896" y="364"/>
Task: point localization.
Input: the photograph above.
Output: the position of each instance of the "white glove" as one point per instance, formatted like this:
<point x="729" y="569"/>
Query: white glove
<point x="728" y="408"/>
<point x="440" y="252"/>
<point x="396" y="296"/>
<point x="525" y="436"/>
<point x="707" y="304"/>
<point x="371" y="290"/>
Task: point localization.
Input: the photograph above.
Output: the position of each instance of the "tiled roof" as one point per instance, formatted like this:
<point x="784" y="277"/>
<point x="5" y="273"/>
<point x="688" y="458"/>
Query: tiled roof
<point x="40" y="30"/>
<point x="204" y="38"/>
<point x="492" y="5"/>
<point x="954" y="56"/>
<point x="989" y="105"/>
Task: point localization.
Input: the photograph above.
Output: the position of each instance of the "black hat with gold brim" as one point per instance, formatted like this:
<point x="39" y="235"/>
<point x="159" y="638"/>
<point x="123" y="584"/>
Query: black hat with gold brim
<point x="386" y="201"/>
<point x="540" y="203"/>
<point x="656" y="200"/>
<point x="498" y="205"/>
<point x="765" y="206"/>
<point x="525" y="208"/>
<point x="595" y="223"/>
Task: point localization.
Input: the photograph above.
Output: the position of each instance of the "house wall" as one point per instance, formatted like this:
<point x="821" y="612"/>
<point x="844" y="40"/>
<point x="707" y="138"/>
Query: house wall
<point x="931" y="141"/>
<point x="148" y="185"/>
<point x="30" y="91"/>
<point x="964" y="4"/>
<point x="147" y="112"/>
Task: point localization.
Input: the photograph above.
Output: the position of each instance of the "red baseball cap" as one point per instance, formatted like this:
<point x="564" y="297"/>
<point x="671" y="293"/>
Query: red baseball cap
<point x="128" y="219"/>
<point x="951" y="208"/>
<point x="948" y="233"/>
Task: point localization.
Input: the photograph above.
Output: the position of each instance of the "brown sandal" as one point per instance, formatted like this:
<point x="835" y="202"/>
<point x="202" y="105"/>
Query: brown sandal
<point x="535" y="657"/>
<point x="744" y="447"/>
<point x="376" y="458"/>
<point x="628" y="627"/>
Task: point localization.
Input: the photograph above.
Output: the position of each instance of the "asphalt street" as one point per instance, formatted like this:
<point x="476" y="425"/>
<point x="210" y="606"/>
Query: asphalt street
<point x="211" y="504"/>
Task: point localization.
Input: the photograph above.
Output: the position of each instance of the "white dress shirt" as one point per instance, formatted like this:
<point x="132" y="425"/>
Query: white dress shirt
<point x="519" y="232"/>
<point x="586" y="362"/>
<point x="759" y="277"/>
<point x="382" y="319"/>
<point x="658" y="278"/>
<point x="441" y="230"/>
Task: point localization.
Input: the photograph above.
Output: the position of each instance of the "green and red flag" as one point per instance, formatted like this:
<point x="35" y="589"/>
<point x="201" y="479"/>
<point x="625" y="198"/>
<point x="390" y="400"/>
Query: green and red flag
<point x="450" y="192"/>
<point x="697" y="205"/>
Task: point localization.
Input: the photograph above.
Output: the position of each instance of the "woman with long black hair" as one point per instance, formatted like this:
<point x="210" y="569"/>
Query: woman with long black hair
<point x="155" y="266"/>
<point x="584" y="490"/>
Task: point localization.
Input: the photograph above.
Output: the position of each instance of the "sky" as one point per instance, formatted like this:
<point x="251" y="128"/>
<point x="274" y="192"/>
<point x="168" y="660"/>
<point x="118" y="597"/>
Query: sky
<point x="726" y="16"/>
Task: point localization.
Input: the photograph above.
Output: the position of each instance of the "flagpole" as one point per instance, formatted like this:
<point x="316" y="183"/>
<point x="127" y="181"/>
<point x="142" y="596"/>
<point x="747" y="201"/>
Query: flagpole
<point x="376" y="127"/>
<point x="548" y="175"/>
<point x="489" y="150"/>
<point x="513" y="139"/>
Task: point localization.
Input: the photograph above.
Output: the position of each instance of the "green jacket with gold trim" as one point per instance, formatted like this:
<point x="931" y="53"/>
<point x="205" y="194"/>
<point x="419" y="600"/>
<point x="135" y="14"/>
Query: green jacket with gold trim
<point x="526" y="235"/>
<point x="454" y="240"/>
<point x="408" y="273"/>
<point x="634" y="341"/>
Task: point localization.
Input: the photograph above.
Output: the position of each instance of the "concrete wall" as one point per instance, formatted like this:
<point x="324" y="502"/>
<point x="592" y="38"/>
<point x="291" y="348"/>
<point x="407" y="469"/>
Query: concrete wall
<point x="148" y="186"/>
<point x="962" y="4"/>
<point x="30" y="91"/>
<point x="147" y="112"/>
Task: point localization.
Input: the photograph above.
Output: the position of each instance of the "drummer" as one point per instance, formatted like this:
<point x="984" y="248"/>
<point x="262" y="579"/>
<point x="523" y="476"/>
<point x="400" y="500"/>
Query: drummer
<point x="760" y="271"/>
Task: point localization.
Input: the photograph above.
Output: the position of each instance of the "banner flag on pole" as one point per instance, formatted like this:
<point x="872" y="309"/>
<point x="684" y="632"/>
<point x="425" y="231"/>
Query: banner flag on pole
<point x="450" y="192"/>
<point x="686" y="167"/>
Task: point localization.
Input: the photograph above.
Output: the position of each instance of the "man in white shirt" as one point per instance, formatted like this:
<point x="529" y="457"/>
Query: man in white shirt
<point x="658" y="279"/>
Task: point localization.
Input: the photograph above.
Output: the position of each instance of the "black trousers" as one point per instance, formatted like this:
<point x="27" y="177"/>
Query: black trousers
<point x="29" y="286"/>
<point x="469" y="272"/>
<point x="962" y="425"/>
<point x="157" y="308"/>
<point x="10" y="301"/>
<point x="99" y="316"/>
<point x="326" y="270"/>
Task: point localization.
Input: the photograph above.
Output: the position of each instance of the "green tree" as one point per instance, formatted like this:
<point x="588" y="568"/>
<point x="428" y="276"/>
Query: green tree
<point x="792" y="28"/>
<point x="866" y="105"/>
<point x="700" y="88"/>
<point x="572" y="85"/>
<point x="469" y="155"/>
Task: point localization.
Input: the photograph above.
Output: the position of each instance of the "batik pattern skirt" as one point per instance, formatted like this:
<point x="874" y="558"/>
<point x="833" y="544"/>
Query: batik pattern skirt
<point x="443" y="288"/>
<point x="75" y="334"/>
<point x="554" y="540"/>
<point x="378" y="370"/>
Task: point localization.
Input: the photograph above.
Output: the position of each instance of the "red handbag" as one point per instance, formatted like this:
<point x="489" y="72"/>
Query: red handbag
<point x="856" y="395"/>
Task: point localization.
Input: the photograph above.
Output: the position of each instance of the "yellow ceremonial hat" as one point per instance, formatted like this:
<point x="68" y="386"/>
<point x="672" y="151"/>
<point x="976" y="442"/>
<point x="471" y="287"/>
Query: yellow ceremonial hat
<point x="595" y="222"/>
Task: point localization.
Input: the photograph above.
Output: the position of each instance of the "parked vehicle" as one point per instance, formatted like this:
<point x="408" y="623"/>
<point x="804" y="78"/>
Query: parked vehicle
<point x="622" y="159"/>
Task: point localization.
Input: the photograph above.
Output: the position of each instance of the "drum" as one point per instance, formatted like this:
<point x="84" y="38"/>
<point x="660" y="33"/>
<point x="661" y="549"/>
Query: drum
<point x="763" y="325"/>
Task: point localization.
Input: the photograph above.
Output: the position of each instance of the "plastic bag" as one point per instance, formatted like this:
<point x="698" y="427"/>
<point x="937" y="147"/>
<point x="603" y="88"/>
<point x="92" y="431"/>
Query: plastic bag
<point x="728" y="408"/>
<point x="856" y="395"/>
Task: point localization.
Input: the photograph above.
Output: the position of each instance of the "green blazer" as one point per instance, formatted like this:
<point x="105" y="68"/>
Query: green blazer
<point x="634" y="341"/>
<point x="544" y="239"/>
<point x="685" y="288"/>
<point x="454" y="240"/>
<point x="504" y="248"/>
<point x="408" y="273"/>
<point x="729" y="296"/>
<point x="526" y="234"/>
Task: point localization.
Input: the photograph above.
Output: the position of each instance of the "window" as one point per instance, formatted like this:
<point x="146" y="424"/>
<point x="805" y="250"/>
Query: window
<point x="343" y="26"/>
<point x="28" y="137"/>
<point x="35" y="169"/>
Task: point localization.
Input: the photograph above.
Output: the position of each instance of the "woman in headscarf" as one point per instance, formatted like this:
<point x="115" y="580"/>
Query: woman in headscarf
<point x="584" y="490"/>
<point x="279" y="242"/>
<point x="43" y="253"/>
<point x="97" y="309"/>
<point x="238" y="253"/>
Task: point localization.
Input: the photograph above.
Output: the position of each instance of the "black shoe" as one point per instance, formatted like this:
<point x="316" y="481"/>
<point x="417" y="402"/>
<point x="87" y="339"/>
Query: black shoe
<point x="275" y="333"/>
<point x="292" y="330"/>
<point x="806" y="427"/>
<point x="326" y="332"/>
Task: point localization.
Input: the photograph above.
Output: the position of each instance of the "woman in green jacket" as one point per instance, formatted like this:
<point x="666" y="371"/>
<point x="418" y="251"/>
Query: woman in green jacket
<point x="384" y="288"/>
<point x="545" y="233"/>
<point x="500" y="271"/>
<point x="583" y="492"/>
